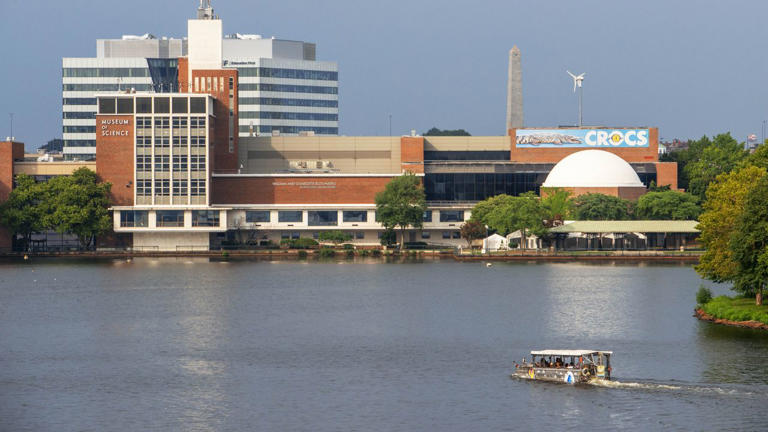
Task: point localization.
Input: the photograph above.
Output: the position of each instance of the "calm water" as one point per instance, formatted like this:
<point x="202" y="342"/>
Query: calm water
<point x="193" y="345"/>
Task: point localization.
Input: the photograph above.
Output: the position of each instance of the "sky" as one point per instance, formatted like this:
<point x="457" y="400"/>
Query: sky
<point x="689" y="68"/>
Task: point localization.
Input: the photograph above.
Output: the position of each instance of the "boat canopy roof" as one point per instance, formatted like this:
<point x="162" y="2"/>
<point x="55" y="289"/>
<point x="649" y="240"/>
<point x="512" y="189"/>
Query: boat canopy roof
<point x="569" y="353"/>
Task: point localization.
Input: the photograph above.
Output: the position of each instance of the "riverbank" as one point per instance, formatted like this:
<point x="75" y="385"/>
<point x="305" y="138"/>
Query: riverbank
<point x="527" y="255"/>
<point x="735" y="312"/>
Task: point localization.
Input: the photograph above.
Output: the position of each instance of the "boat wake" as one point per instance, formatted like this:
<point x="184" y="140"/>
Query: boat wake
<point x="655" y="386"/>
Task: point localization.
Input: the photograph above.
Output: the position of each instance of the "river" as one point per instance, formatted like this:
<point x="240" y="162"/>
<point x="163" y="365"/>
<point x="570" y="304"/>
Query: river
<point x="199" y="345"/>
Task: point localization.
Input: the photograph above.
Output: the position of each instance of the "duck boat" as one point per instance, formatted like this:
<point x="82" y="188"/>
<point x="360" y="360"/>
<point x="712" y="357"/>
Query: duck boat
<point x="565" y="366"/>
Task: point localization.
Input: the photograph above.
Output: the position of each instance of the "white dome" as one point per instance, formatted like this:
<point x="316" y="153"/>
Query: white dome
<point x="592" y="168"/>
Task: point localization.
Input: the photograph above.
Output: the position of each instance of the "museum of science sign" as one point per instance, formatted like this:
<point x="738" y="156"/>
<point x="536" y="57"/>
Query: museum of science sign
<point x="589" y="138"/>
<point x="114" y="127"/>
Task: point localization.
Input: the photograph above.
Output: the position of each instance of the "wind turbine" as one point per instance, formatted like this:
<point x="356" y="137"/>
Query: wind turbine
<point x="578" y="80"/>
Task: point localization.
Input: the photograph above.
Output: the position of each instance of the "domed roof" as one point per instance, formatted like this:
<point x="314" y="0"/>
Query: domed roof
<point x="592" y="168"/>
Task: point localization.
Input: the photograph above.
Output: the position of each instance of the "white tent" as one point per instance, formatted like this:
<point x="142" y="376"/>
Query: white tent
<point x="494" y="243"/>
<point x="532" y="241"/>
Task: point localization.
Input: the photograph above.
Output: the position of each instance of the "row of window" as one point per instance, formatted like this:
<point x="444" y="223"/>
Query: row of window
<point x="162" y="162"/>
<point x="315" y="103"/>
<point x="288" y="116"/>
<point x="285" y="88"/>
<point x="163" y="187"/>
<point x="323" y="217"/>
<point x="105" y="87"/>
<point x="104" y="72"/>
<point x="165" y="122"/>
<point x="477" y="187"/>
<point x="266" y="129"/>
<point x="287" y="73"/>
<point x="164" y="141"/>
<point x="78" y="101"/>
<point x="169" y="218"/>
<point x="425" y="235"/>
<point x="80" y="115"/>
<point x="80" y="129"/>
<point x="144" y="105"/>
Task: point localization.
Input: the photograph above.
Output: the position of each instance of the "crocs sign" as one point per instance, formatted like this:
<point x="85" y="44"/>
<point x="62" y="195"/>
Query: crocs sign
<point x="585" y="138"/>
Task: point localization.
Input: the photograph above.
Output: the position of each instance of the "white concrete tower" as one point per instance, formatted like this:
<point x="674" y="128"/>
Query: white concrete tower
<point x="514" y="90"/>
<point x="205" y="40"/>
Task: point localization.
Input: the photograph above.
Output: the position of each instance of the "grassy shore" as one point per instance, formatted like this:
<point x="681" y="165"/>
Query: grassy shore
<point x="736" y="309"/>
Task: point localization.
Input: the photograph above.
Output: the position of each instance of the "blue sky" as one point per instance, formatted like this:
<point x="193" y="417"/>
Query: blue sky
<point x="690" y="68"/>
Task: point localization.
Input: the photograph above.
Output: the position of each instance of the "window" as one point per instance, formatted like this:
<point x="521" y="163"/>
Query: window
<point x="451" y="215"/>
<point x="125" y="105"/>
<point x="162" y="105"/>
<point x="256" y="216"/>
<point x="107" y="106"/>
<point x="180" y="140"/>
<point x="143" y="105"/>
<point x="355" y="216"/>
<point x="456" y="235"/>
<point x="197" y="187"/>
<point x="428" y="216"/>
<point x="143" y="122"/>
<point x="290" y="216"/>
<point x="197" y="122"/>
<point x="360" y="235"/>
<point x="134" y="219"/>
<point x="323" y="218"/>
<point x="197" y="105"/>
<point x="295" y="235"/>
<point x="425" y="235"/>
<point x="144" y="142"/>
<point x="180" y="187"/>
<point x="198" y="141"/>
<point x="162" y="141"/>
<point x="205" y="218"/>
<point x="197" y="162"/>
<point x="162" y="123"/>
<point x="143" y="163"/>
<point x="143" y="188"/>
<point x="162" y="163"/>
<point x="284" y="235"/>
<point x="169" y="218"/>
<point x="180" y="105"/>
<point x="163" y="188"/>
<point x="179" y="162"/>
<point x="446" y="234"/>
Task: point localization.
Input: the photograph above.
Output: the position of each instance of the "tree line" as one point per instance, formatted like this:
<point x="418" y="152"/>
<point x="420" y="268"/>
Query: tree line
<point x="76" y="204"/>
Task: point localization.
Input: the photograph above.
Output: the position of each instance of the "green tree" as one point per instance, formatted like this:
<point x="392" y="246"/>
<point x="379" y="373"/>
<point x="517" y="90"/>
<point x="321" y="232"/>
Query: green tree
<point x="749" y="243"/>
<point x="668" y="205"/>
<point x="683" y="157"/>
<point x="447" y="132"/>
<point x="505" y="214"/>
<point x="21" y="214"/>
<point x="77" y="204"/>
<point x="759" y="158"/>
<point x="473" y="230"/>
<point x="388" y="237"/>
<point x="721" y="156"/>
<point x="595" y="206"/>
<point x="336" y="237"/>
<point x="401" y="204"/>
<point x="726" y="198"/>
<point x="557" y="206"/>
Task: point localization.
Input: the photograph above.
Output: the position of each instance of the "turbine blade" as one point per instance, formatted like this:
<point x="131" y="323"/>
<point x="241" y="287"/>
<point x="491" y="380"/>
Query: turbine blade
<point x="572" y="75"/>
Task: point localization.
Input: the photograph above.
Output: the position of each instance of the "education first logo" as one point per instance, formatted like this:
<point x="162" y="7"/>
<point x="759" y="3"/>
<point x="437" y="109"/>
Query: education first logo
<point x="549" y="138"/>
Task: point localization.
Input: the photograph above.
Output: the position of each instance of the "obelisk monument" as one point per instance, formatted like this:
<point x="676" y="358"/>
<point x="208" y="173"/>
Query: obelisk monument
<point x="514" y="90"/>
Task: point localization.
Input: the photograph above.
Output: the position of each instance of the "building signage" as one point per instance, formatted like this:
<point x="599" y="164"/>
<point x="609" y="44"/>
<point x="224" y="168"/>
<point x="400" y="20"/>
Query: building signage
<point x="307" y="184"/>
<point x="107" y="127"/>
<point x="594" y="138"/>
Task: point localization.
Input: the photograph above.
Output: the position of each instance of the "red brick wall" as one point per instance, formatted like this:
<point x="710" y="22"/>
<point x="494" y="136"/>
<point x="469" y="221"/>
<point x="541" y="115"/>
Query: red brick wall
<point x="554" y="155"/>
<point x="297" y="190"/>
<point x="9" y="151"/>
<point x="666" y="174"/>
<point x="115" y="153"/>
<point x="223" y="159"/>
<point x="184" y="75"/>
<point x="412" y="154"/>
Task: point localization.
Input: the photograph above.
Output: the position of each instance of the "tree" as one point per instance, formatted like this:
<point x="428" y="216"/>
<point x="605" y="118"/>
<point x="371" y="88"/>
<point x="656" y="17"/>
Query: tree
<point x="595" y="206"/>
<point x="336" y="237"/>
<point x="22" y="212"/>
<point x="401" y="204"/>
<point x="759" y="158"/>
<point x="726" y="198"/>
<point x="77" y="204"/>
<point x="388" y="237"/>
<point x="473" y="230"/>
<point x="437" y="132"/>
<point x="668" y="205"/>
<point x="505" y="214"/>
<point x="721" y="156"/>
<point x="557" y="206"/>
<point x="749" y="243"/>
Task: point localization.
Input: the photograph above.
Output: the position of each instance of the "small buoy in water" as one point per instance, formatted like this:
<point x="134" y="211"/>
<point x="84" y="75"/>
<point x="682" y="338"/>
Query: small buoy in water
<point x="26" y="257"/>
<point x="488" y="264"/>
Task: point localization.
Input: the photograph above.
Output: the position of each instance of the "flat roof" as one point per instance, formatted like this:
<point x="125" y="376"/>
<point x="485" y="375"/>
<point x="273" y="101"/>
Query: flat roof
<point x="641" y="226"/>
<point x="569" y="353"/>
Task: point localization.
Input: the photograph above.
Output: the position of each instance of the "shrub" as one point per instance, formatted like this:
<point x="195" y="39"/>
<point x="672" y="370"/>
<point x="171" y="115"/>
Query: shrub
<point x="348" y="246"/>
<point x="365" y="252"/>
<point x="350" y="253"/>
<point x="225" y="254"/>
<point x="703" y="295"/>
<point x="327" y="253"/>
<point x="376" y="253"/>
<point x="300" y="243"/>
<point x="302" y="254"/>
<point x="416" y="245"/>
